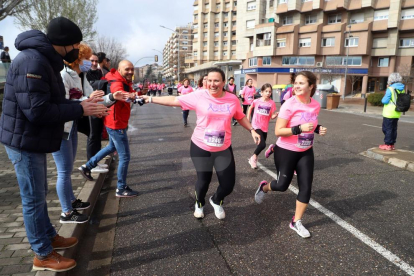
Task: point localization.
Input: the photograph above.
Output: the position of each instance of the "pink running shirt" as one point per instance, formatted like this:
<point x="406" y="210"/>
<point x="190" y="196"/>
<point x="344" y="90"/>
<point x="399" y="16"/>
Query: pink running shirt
<point x="263" y="111"/>
<point x="298" y="113"/>
<point x="248" y="94"/>
<point x="213" y="128"/>
<point x="185" y="90"/>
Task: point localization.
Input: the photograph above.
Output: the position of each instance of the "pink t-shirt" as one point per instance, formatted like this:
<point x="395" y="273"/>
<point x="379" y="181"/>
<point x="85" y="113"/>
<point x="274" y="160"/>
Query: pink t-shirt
<point x="263" y="111"/>
<point x="298" y="113"/>
<point x="248" y="94"/>
<point x="185" y="90"/>
<point x="213" y="128"/>
<point x="231" y="87"/>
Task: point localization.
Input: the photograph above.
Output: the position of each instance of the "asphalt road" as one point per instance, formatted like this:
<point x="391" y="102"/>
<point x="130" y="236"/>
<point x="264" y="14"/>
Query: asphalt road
<point x="156" y="233"/>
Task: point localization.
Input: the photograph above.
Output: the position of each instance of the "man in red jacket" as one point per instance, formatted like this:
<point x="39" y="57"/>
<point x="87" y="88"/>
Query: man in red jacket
<point x="116" y="124"/>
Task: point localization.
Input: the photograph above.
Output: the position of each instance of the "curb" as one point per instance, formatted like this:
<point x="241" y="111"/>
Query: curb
<point x="90" y="192"/>
<point x="387" y="157"/>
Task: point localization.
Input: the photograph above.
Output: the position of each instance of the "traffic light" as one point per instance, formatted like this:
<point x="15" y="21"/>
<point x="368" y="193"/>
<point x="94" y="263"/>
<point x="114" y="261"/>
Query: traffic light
<point x="156" y="58"/>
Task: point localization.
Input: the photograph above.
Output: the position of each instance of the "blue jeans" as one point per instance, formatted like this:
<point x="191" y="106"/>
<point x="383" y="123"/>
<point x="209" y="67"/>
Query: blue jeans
<point x="64" y="159"/>
<point x="185" y="115"/>
<point x="389" y="128"/>
<point x="31" y="170"/>
<point x="118" y="141"/>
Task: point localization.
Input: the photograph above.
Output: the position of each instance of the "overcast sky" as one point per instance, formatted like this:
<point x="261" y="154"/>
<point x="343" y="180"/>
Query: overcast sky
<point x="134" y="23"/>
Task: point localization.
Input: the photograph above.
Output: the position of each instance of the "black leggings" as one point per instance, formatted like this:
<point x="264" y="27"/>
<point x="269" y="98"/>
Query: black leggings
<point x="94" y="145"/>
<point x="260" y="147"/>
<point x="223" y="163"/>
<point x="286" y="162"/>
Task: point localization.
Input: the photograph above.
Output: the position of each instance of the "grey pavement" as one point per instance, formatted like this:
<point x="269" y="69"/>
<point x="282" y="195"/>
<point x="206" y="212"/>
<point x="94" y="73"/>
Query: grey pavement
<point x="16" y="257"/>
<point x="156" y="233"/>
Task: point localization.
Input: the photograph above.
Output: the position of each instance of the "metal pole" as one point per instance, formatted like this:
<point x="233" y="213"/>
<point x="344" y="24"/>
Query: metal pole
<point x="178" y="52"/>
<point x="346" y="66"/>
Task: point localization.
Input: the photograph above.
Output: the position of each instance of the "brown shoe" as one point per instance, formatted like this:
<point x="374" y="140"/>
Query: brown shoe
<point x="53" y="262"/>
<point x="59" y="242"/>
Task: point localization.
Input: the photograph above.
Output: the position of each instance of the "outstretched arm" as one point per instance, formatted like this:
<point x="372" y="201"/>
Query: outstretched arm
<point x="167" y="101"/>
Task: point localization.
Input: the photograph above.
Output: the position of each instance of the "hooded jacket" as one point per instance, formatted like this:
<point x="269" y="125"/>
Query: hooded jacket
<point x="121" y="111"/>
<point x="34" y="104"/>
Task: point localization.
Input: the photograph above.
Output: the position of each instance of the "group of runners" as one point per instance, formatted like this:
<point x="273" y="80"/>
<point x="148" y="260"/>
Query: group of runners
<point x="216" y="107"/>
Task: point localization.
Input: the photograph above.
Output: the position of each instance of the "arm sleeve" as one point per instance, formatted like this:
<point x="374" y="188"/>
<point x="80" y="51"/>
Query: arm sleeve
<point x="107" y="100"/>
<point x="238" y="115"/>
<point x="285" y="112"/>
<point x="387" y="97"/>
<point x="34" y="97"/>
<point x="189" y="101"/>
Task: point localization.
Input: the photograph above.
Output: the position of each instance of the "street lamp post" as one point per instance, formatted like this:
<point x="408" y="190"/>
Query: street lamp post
<point x="178" y="51"/>
<point x="347" y="55"/>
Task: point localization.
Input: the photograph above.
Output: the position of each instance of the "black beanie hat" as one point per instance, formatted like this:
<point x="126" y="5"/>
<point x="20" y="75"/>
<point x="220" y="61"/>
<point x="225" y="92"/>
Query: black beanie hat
<point x="63" y="32"/>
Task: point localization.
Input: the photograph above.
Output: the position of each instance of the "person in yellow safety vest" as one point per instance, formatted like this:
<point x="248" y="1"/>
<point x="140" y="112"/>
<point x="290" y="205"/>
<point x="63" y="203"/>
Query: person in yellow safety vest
<point x="390" y="120"/>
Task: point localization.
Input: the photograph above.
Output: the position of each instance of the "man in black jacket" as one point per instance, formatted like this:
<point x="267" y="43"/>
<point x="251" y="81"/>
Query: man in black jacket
<point x="5" y="56"/>
<point x="31" y="125"/>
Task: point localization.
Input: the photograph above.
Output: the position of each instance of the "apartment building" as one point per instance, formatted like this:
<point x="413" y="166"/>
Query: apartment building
<point x="214" y="37"/>
<point x="179" y="44"/>
<point x="140" y="73"/>
<point x="367" y="39"/>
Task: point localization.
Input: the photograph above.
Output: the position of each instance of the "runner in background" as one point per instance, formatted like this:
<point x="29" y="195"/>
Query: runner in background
<point x="264" y="110"/>
<point x="202" y="83"/>
<point x="185" y="89"/>
<point x="247" y="95"/>
<point x="295" y="127"/>
<point x="159" y="88"/>
<point x="288" y="92"/>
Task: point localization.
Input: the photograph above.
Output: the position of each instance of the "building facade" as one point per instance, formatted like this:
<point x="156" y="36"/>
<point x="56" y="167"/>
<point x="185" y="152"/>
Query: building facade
<point x="366" y="39"/>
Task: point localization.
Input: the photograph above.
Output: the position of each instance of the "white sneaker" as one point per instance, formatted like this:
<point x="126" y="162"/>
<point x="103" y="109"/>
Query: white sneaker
<point x="259" y="195"/>
<point x="218" y="210"/>
<point x="103" y="165"/>
<point x="199" y="212"/>
<point x="300" y="229"/>
<point x="99" y="169"/>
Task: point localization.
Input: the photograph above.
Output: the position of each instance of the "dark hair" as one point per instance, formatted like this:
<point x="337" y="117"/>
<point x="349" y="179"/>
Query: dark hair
<point x="6" y="48"/>
<point x="311" y="79"/>
<point x="184" y="80"/>
<point x="266" y="85"/>
<point x="101" y="56"/>
<point x="247" y="81"/>
<point x="231" y="78"/>
<point x="218" y="70"/>
<point x="200" y="81"/>
<point x="94" y="54"/>
<point x="292" y="78"/>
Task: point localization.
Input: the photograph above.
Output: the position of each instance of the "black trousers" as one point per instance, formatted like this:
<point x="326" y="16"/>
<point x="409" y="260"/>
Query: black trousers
<point x="389" y="128"/>
<point x="286" y="162"/>
<point x="204" y="162"/>
<point x="260" y="147"/>
<point x="94" y="145"/>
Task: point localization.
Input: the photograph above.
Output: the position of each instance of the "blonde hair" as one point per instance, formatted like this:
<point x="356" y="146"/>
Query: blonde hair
<point x="85" y="52"/>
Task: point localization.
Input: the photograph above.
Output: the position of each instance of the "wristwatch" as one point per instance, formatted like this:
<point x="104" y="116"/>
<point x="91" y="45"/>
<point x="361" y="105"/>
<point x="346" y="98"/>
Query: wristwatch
<point x="251" y="129"/>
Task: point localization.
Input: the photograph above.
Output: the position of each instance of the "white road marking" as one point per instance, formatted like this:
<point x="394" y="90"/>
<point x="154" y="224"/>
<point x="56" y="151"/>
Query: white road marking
<point x="131" y="128"/>
<point x="174" y="107"/>
<point x="358" y="234"/>
<point x="371" y="126"/>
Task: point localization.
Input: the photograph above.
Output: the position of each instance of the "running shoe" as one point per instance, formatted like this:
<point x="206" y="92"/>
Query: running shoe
<point x="79" y="205"/>
<point x="127" y="192"/>
<point x="392" y="147"/>
<point x="234" y="123"/>
<point x="103" y="165"/>
<point x="86" y="173"/>
<point x="199" y="212"/>
<point x="253" y="162"/>
<point x="269" y="150"/>
<point x="300" y="229"/>
<point x="218" y="210"/>
<point x="73" y="217"/>
<point x="99" y="169"/>
<point x="259" y="195"/>
<point x="385" y="147"/>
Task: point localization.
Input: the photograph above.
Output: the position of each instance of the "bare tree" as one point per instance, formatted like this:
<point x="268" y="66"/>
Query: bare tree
<point x="112" y="48"/>
<point x="39" y="13"/>
<point x="407" y="73"/>
<point x="10" y="7"/>
<point x="353" y="79"/>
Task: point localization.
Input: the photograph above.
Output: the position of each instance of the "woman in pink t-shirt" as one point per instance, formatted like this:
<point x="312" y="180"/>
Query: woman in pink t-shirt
<point x="296" y="124"/>
<point x="264" y="110"/>
<point x="247" y="95"/>
<point x="211" y="140"/>
<point x="202" y="83"/>
<point x="185" y="89"/>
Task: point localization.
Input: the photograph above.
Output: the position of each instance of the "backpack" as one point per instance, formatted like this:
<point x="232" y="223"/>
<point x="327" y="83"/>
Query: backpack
<point x="403" y="102"/>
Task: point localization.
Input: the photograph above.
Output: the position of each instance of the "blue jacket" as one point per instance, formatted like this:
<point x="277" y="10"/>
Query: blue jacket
<point x="34" y="104"/>
<point x="387" y="97"/>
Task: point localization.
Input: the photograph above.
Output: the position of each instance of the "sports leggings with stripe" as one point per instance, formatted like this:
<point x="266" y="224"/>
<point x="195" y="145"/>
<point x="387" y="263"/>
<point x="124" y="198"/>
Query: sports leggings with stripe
<point x="260" y="147"/>
<point x="286" y="162"/>
<point x="223" y="163"/>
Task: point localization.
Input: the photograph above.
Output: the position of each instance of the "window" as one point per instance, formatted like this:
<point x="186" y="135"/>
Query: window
<point x="252" y="61"/>
<point x="407" y="14"/>
<point x="235" y="3"/>
<point x="196" y="8"/>
<point x="233" y="23"/>
<point x="338" y="60"/>
<point x="204" y="53"/>
<point x="251" y="47"/>
<point x="185" y="37"/>
<point x="267" y="60"/>
<point x="195" y="54"/>
<point x="216" y="34"/>
<point x="287" y="20"/>
<point x="250" y="24"/>
<point x="310" y="19"/>
<point x="301" y="60"/>
<point x="206" y="25"/>
<point x="352" y="61"/>
<point x="251" y="5"/>
<point x="185" y="42"/>
<point x="230" y="68"/>
<point x="381" y="15"/>
<point x="356" y="18"/>
<point x="234" y="13"/>
<point x="205" y="34"/>
<point x="184" y="48"/>
<point x="267" y="39"/>
<point x="216" y="25"/>
<point x="217" y="15"/>
<point x="227" y="5"/>
<point x="233" y="42"/>
<point x="383" y="62"/>
<point x="195" y="35"/>
<point x="195" y="26"/>
<point x="233" y="53"/>
<point x="335" y="18"/>
<point x="281" y="43"/>
<point x="217" y="7"/>
<point x="215" y="44"/>
<point x="304" y="42"/>
<point x="328" y="42"/>
<point x="195" y="17"/>
<point x="207" y="6"/>
<point x="205" y="43"/>
<point x="185" y="31"/>
<point x="225" y="34"/>
<point x="226" y="14"/>
<point x="282" y="1"/>
<point x="406" y="42"/>
<point x="351" y="42"/>
<point x="225" y="43"/>
<point x="226" y="24"/>
<point x="379" y="42"/>
<point x="233" y="33"/>
<point x="271" y="3"/>
<point x="216" y="53"/>
<point x="303" y="1"/>
<point x="195" y="63"/>
<point x="225" y="53"/>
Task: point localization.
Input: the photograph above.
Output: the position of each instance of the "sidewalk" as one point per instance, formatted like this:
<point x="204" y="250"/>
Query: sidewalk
<point x="402" y="159"/>
<point x="16" y="257"/>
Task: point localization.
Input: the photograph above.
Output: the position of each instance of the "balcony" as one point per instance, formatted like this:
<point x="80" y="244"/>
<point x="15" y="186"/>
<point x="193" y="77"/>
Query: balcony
<point x="263" y="42"/>
<point x="406" y="25"/>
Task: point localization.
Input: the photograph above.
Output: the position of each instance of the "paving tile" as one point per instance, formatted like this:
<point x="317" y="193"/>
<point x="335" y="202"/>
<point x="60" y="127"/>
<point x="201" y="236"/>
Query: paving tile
<point x="12" y="269"/>
<point x="17" y="246"/>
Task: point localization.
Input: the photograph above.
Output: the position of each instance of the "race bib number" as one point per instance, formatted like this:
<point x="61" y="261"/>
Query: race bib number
<point x="214" y="138"/>
<point x="263" y="110"/>
<point x="305" y="140"/>
<point x="250" y="98"/>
